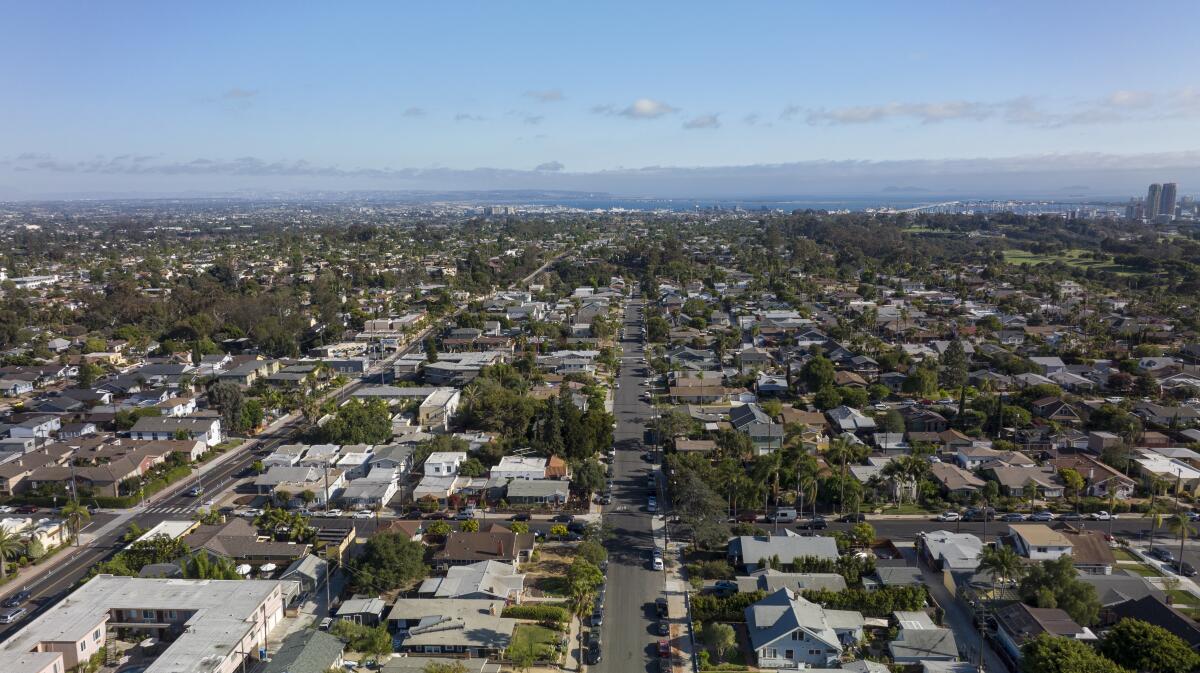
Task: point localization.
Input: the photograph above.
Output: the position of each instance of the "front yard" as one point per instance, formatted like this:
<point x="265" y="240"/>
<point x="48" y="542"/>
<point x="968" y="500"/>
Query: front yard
<point x="548" y="574"/>
<point x="538" y="639"/>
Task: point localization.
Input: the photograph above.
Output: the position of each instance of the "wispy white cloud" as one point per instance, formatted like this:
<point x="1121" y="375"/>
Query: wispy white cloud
<point x="551" y="166"/>
<point x="468" y="117"/>
<point x="1116" y="107"/>
<point x="413" y="112"/>
<point x="703" y="122"/>
<point x="546" y="95"/>
<point x="926" y="113"/>
<point x="642" y="108"/>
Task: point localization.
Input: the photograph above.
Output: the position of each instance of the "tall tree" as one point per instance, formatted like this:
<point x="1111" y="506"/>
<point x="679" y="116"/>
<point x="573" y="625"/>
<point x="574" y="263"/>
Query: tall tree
<point x="1058" y="654"/>
<point x="75" y="514"/>
<point x="11" y="546"/>
<point x="1141" y="646"/>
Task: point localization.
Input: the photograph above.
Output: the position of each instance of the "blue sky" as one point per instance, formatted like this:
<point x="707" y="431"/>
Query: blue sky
<point x="163" y="96"/>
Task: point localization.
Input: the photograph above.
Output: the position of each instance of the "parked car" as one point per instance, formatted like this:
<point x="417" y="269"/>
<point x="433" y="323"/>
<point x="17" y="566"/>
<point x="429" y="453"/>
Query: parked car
<point x="520" y="516"/>
<point x="364" y="514"/>
<point x="724" y="588"/>
<point x="664" y="648"/>
<point x="651" y="504"/>
<point x="17" y="598"/>
<point x="782" y="515"/>
<point x="1043" y="515"/>
<point x="660" y="607"/>
<point x="27" y="509"/>
<point x="1162" y="554"/>
<point x="980" y="514"/>
<point x="1101" y="516"/>
<point x="1183" y="568"/>
<point x="856" y="517"/>
<point x="594" y="648"/>
<point x="1070" y="516"/>
<point x="333" y="512"/>
<point x="815" y="523"/>
<point x="657" y="563"/>
<point x="326" y="623"/>
<point x="562" y="518"/>
<point x="664" y="628"/>
<point x="949" y="516"/>
<point x="10" y="615"/>
<point x="1012" y="517"/>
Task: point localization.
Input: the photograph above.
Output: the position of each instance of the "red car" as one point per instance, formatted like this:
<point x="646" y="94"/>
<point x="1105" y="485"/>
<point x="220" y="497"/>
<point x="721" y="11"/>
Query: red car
<point x="664" y="648"/>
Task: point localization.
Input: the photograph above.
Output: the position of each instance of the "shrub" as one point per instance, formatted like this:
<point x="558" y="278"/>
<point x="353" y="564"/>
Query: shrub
<point x="541" y="613"/>
<point x="711" y="570"/>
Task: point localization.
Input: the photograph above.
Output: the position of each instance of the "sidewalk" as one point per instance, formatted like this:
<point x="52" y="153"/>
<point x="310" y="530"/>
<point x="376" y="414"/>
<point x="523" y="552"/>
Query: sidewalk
<point x="676" y="590"/>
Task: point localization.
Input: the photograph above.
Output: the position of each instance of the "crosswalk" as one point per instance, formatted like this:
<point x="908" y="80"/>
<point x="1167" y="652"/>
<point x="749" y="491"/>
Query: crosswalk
<point x="163" y="509"/>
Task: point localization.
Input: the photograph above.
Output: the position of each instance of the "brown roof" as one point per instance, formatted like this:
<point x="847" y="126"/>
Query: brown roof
<point x="1089" y="548"/>
<point x="484" y="546"/>
<point x="1024" y="623"/>
<point x="237" y="539"/>
<point x="811" y="418"/>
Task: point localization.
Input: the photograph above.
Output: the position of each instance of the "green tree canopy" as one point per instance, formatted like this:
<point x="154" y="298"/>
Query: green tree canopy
<point x="359" y="423"/>
<point x="1141" y="646"/>
<point x="1056" y="654"/>
<point x="1056" y="584"/>
<point x="389" y="561"/>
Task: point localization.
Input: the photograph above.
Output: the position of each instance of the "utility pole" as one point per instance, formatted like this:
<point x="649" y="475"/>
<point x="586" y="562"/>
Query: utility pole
<point x="328" y="567"/>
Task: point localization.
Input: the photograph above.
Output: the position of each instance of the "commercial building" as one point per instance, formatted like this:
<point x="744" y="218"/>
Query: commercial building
<point x="206" y="626"/>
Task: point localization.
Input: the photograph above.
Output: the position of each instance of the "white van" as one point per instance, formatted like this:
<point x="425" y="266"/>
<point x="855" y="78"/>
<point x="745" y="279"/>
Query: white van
<point x="783" y="515"/>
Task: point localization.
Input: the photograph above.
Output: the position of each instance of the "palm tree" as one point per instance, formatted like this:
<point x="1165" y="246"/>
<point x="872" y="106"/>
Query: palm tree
<point x="75" y="514"/>
<point x="10" y="547"/>
<point x="1156" y="520"/>
<point x="1000" y="562"/>
<point x="1181" y="526"/>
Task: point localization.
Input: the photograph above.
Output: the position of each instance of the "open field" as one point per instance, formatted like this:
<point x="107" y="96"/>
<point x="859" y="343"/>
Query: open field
<point x="1075" y="257"/>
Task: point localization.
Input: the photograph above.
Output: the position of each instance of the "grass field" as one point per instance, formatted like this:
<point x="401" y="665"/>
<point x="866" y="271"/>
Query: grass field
<point x="1124" y="555"/>
<point x="1142" y="569"/>
<point x="540" y="638"/>
<point x="1182" y="597"/>
<point x="1075" y="257"/>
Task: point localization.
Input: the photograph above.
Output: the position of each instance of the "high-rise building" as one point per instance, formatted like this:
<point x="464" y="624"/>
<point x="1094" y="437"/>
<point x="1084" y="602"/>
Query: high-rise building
<point x="1166" y="204"/>
<point x="1153" y="200"/>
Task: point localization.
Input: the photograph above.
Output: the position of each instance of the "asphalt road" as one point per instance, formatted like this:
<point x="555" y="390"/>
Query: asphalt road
<point x="628" y="635"/>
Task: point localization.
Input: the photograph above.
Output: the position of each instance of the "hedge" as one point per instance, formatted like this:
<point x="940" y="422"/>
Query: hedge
<point x="541" y="613"/>
<point x="709" y="607"/>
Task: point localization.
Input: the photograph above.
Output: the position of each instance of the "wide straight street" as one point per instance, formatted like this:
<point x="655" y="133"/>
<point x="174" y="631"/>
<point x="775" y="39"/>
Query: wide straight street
<point x="629" y="636"/>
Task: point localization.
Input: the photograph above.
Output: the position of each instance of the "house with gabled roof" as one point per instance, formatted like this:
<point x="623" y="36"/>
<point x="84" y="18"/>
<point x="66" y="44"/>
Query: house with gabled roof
<point x="788" y="631"/>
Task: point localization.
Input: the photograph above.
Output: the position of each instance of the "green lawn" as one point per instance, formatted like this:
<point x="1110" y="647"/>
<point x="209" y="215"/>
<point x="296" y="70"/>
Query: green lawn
<point x="1124" y="555"/>
<point x="1142" y="569"/>
<point x="907" y="508"/>
<point x="552" y="586"/>
<point x="1182" y="597"/>
<point x="1074" y="257"/>
<point x="540" y="638"/>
